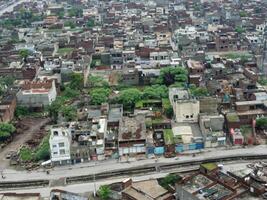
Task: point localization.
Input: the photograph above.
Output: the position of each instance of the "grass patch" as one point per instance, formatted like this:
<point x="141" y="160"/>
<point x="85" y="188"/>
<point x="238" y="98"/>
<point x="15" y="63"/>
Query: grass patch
<point x="241" y="56"/>
<point x="168" y="136"/>
<point x="64" y="51"/>
<point x="232" y="117"/>
<point x="25" y="154"/>
<point x="209" y="166"/>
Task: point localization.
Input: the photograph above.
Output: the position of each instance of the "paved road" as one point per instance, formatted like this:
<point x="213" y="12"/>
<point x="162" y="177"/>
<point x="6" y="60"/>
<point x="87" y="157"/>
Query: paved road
<point x="11" y="7"/>
<point x="105" y="166"/>
<point x="89" y="187"/>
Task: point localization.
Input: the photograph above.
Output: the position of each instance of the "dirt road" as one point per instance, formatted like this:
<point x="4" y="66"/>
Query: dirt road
<point x="34" y="125"/>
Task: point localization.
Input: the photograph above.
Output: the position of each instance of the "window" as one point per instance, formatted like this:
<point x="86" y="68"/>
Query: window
<point x="62" y="151"/>
<point x="61" y="144"/>
<point x="187" y="116"/>
<point x="55" y="133"/>
<point x="192" y="116"/>
<point x="63" y="133"/>
<point x="55" y="153"/>
<point x="54" y="145"/>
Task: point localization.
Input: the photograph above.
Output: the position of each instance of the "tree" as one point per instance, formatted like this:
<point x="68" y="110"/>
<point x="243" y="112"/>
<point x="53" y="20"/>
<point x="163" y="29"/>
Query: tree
<point x="104" y="192"/>
<point x="70" y="24"/>
<point x="199" y="91"/>
<point x="99" y="95"/>
<point x="71" y="93"/>
<point x="170" y="75"/>
<point x="242" y="14"/>
<point x="43" y="150"/>
<point x="24" y="53"/>
<point x="239" y="29"/>
<point x="90" y="23"/>
<point x="75" y="12"/>
<point x="69" y="113"/>
<point x="76" y="81"/>
<point x="55" y="107"/>
<point x="21" y="111"/>
<point x="97" y="81"/>
<point x="6" y="130"/>
<point x="155" y="92"/>
<point x="170" y="179"/>
<point x="262" y="123"/>
<point x="129" y="97"/>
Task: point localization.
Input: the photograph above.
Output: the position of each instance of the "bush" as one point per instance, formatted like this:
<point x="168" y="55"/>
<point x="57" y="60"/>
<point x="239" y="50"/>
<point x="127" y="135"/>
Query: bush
<point x="170" y="179"/>
<point x="43" y="150"/>
<point x="6" y="130"/>
<point x="104" y="192"/>
<point x="25" y="154"/>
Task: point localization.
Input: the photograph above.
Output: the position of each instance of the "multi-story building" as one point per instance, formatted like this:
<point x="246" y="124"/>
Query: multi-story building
<point x="60" y="143"/>
<point x="185" y="107"/>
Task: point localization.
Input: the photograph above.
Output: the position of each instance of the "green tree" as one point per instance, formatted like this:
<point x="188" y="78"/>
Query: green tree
<point x="97" y="81"/>
<point x="24" y="53"/>
<point x="43" y="150"/>
<point x="90" y="23"/>
<point x="262" y="123"/>
<point x="239" y="29"/>
<point x="170" y="179"/>
<point x="69" y="113"/>
<point x="155" y="92"/>
<point x="171" y="75"/>
<point x="76" y="81"/>
<point x="242" y="14"/>
<point x="71" y="93"/>
<point x="6" y="131"/>
<point x="199" y="91"/>
<point x="99" y="95"/>
<point x="104" y="192"/>
<point x="21" y="111"/>
<point x="70" y="24"/>
<point x="129" y="97"/>
<point x="55" y="107"/>
<point x="75" y="12"/>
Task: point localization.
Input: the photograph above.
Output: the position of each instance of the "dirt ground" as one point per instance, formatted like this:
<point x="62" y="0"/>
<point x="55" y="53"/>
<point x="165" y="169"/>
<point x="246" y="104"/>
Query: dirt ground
<point x="34" y="125"/>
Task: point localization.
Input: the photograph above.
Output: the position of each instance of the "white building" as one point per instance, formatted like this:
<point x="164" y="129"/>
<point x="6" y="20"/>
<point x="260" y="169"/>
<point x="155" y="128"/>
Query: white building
<point x="60" y="141"/>
<point x="186" y="108"/>
<point x="37" y="93"/>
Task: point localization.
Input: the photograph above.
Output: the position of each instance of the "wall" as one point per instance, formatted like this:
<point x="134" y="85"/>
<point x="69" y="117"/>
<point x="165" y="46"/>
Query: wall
<point x="186" y="111"/>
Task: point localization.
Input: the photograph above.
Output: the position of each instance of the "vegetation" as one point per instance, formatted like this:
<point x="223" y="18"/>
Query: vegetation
<point x="167" y="107"/>
<point x="6" y="131"/>
<point x="129" y="97"/>
<point x="104" y="192"/>
<point x="97" y="81"/>
<point x="168" y="136"/>
<point x="65" y="51"/>
<point x="99" y="95"/>
<point x="21" y="111"/>
<point x="25" y="154"/>
<point x="76" y="82"/>
<point x="262" y="81"/>
<point x="90" y="23"/>
<point x="170" y="179"/>
<point x="75" y="12"/>
<point x="242" y="14"/>
<point x="24" y="53"/>
<point x="155" y="92"/>
<point x="199" y="91"/>
<point x="68" y="112"/>
<point x="261" y="123"/>
<point x="23" y="19"/>
<point x="69" y="24"/>
<point x="171" y="75"/>
<point x="70" y="93"/>
<point x="239" y="29"/>
<point x="42" y="152"/>
<point x="244" y="57"/>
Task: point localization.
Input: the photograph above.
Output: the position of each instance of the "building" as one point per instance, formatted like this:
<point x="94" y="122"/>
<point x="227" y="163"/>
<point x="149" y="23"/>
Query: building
<point x="132" y="135"/>
<point x="60" y="143"/>
<point x="186" y="108"/>
<point x="37" y="94"/>
<point x="144" y="190"/>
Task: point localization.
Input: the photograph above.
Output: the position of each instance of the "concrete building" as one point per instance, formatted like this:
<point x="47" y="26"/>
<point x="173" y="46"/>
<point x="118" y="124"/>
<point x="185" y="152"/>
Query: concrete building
<point x="37" y="94"/>
<point x="60" y="141"/>
<point x="186" y="108"/>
